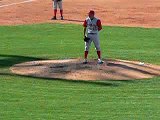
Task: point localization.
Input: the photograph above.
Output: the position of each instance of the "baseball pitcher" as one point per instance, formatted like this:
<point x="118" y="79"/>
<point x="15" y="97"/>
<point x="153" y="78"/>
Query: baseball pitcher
<point x="92" y="26"/>
<point x="57" y="3"/>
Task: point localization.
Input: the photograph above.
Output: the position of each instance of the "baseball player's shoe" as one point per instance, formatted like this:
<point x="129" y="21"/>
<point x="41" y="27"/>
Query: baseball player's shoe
<point x="54" y="18"/>
<point x="100" y="61"/>
<point x="85" y="61"/>
<point x="62" y="18"/>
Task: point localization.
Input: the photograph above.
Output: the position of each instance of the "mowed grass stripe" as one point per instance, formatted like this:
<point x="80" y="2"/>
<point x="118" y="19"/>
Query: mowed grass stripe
<point x="132" y="43"/>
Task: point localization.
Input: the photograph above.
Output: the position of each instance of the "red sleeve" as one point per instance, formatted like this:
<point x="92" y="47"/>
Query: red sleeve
<point x="85" y="24"/>
<point x="99" y="25"/>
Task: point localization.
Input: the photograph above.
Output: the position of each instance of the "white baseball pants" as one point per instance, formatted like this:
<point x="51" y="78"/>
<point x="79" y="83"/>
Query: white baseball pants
<point x="57" y="4"/>
<point x="96" y="41"/>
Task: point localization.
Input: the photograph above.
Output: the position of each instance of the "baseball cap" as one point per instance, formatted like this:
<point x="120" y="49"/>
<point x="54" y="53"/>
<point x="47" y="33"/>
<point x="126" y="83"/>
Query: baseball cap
<point x="91" y="12"/>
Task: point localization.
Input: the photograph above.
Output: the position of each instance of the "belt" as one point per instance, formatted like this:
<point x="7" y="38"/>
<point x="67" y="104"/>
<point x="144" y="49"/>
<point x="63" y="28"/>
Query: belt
<point x="92" y="33"/>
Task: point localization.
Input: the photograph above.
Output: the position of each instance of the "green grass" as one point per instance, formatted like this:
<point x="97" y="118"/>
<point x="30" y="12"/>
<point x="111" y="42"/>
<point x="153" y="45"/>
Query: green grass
<point x="47" y="99"/>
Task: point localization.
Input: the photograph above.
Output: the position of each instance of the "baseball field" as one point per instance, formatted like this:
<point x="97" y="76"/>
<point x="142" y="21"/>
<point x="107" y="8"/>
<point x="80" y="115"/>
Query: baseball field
<point x="27" y="34"/>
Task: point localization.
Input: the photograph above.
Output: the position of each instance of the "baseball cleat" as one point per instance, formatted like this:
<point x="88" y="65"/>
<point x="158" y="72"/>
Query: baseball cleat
<point x="100" y="61"/>
<point x="54" y="18"/>
<point x="62" y="18"/>
<point x="85" y="61"/>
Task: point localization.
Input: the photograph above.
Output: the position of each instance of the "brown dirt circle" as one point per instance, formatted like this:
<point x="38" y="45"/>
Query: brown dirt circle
<point x="73" y="69"/>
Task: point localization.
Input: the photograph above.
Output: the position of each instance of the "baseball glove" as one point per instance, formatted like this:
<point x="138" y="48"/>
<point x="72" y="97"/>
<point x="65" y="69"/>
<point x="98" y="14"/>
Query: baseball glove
<point x="86" y="39"/>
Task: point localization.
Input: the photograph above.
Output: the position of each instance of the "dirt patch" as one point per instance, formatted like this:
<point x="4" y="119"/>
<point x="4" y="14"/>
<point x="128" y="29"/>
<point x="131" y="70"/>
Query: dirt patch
<point x="144" y="13"/>
<point x="73" y="69"/>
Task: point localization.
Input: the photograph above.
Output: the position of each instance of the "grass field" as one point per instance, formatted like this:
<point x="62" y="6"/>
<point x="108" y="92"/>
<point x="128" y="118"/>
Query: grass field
<point x="45" y="99"/>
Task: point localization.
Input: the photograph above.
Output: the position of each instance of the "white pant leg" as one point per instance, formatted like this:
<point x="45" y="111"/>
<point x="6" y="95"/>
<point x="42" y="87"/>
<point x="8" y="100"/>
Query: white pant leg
<point x="96" y="41"/>
<point x="60" y="5"/>
<point x="55" y="4"/>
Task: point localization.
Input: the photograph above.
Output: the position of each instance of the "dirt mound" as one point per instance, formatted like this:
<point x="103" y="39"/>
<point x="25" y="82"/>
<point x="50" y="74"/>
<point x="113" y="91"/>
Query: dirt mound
<point x="73" y="69"/>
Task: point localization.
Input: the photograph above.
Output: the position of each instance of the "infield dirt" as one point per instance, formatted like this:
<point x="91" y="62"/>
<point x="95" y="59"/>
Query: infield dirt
<point x="144" y="13"/>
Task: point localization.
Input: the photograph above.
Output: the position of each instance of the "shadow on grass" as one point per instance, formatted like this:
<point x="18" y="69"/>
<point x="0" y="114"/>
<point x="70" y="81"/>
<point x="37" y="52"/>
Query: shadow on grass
<point x="9" y="60"/>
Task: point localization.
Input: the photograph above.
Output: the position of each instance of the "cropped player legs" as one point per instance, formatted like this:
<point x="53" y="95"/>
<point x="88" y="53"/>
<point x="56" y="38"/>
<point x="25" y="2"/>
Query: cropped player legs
<point x="55" y="5"/>
<point x="61" y="8"/>
<point x="96" y="41"/>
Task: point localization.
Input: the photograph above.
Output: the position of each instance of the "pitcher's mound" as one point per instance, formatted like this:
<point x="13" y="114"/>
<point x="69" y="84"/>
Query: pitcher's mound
<point x="73" y="69"/>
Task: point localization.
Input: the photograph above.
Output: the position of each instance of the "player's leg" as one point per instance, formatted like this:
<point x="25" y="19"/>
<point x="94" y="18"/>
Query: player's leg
<point x="96" y="42"/>
<point x="87" y="46"/>
<point x="61" y="9"/>
<point x="55" y="9"/>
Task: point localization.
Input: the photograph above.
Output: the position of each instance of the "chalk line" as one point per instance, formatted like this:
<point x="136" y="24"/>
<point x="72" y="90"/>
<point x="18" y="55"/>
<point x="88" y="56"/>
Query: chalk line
<point x="26" y="1"/>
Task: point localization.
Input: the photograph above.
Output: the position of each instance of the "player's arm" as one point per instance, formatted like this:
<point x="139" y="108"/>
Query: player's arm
<point x="99" y="25"/>
<point x="85" y="27"/>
